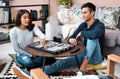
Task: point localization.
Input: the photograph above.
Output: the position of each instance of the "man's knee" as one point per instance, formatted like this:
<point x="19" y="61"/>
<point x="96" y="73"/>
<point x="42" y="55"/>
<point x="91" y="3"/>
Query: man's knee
<point x="92" y="43"/>
<point x="92" y="40"/>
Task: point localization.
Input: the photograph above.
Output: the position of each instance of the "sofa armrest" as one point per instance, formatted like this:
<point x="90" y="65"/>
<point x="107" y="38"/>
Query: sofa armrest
<point x="111" y="37"/>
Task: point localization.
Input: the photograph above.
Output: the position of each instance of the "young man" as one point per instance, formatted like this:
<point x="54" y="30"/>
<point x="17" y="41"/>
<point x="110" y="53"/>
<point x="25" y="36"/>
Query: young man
<point x="93" y="31"/>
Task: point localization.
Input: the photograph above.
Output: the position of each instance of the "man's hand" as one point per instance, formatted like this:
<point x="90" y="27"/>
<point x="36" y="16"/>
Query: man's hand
<point x="79" y="37"/>
<point x="42" y="42"/>
<point x="33" y="56"/>
<point x="73" y="41"/>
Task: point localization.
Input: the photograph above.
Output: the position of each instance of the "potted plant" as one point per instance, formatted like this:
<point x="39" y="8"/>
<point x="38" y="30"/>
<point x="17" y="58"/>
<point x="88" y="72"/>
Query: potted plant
<point x="64" y="3"/>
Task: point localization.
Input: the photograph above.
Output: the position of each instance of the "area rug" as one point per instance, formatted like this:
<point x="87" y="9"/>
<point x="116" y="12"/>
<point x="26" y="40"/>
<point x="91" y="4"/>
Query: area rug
<point x="2" y="67"/>
<point x="7" y="72"/>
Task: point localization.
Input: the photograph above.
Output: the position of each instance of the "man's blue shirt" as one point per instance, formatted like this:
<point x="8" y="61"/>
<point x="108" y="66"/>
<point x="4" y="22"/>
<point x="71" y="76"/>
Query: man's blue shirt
<point x="96" y="31"/>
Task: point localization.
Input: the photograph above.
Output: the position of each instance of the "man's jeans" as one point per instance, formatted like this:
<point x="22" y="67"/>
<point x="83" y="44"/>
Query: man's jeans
<point x="92" y="52"/>
<point x="28" y="62"/>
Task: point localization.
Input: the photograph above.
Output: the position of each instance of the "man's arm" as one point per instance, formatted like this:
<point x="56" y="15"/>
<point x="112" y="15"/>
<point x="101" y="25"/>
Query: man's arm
<point x="76" y="32"/>
<point x="72" y="39"/>
<point x="38" y="32"/>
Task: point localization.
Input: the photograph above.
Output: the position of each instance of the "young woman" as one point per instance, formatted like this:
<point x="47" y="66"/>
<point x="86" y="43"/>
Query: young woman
<point x="23" y="34"/>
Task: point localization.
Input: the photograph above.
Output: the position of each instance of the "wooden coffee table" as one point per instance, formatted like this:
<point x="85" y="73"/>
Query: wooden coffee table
<point x="63" y="54"/>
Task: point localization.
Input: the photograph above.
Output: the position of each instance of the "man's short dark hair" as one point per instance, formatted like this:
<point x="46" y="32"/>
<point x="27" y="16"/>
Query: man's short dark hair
<point x="89" y="5"/>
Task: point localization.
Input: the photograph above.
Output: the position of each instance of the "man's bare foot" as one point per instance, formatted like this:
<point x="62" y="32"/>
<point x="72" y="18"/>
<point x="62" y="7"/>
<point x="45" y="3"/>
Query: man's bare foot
<point x="84" y="65"/>
<point x="37" y="73"/>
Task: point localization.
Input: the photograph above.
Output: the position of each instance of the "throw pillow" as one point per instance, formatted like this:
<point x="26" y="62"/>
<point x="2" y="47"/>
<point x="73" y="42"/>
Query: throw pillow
<point x="69" y="20"/>
<point x="77" y="12"/>
<point x="119" y="22"/>
<point x="13" y="56"/>
<point x="63" y="16"/>
<point x="118" y="40"/>
<point x="76" y="8"/>
<point x="109" y="16"/>
<point x="68" y="16"/>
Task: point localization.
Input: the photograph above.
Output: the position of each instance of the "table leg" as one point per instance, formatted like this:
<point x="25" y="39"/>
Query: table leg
<point x="43" y="63"/>
<point x="77" y="61"/>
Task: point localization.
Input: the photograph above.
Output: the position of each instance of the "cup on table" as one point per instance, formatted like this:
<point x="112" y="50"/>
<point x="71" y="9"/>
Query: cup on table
<point x="57" y="39"/>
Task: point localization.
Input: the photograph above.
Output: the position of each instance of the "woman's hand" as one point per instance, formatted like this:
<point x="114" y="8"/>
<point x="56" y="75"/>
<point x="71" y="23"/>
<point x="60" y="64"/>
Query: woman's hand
<point x="73" y="41"/>
<point x="42" y="42"/>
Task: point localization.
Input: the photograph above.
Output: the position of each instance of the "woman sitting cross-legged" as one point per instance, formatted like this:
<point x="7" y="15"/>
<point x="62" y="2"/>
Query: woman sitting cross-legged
<point x="21" y="35"/>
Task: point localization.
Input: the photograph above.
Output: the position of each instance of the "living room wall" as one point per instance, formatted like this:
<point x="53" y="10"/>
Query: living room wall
<point x="28" y="2"/>
<point x="54" y="7"/>
<point x="111" y="3"/>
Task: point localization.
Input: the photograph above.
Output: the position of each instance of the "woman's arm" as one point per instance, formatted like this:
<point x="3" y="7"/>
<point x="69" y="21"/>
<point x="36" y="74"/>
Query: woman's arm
<point x="37" y="32"/>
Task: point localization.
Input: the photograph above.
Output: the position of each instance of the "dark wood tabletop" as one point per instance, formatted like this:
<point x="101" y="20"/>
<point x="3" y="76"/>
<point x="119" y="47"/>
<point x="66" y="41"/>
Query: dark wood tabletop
<point x="63" y="54"/>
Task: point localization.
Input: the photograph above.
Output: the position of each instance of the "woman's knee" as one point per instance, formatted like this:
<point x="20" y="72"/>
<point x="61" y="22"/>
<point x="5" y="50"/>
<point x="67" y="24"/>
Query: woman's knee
<point x="24" y="59"/>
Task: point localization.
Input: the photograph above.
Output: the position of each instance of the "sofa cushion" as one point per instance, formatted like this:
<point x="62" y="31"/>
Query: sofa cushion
<point x="109" y="16"/>
<point x="118" y="40"/>
<point x="111" y="37"/>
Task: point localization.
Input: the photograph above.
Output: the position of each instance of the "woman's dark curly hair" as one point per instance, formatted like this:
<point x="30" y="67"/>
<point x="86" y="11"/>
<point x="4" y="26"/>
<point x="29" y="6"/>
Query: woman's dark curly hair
<point x="18" y="19"/>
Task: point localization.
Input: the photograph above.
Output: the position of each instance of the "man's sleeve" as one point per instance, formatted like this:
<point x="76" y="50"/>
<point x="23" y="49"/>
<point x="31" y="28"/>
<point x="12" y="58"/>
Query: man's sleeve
<point x="76" y="32"/>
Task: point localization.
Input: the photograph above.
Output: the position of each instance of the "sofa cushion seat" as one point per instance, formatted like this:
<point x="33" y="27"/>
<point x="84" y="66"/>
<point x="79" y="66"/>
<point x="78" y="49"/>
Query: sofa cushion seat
<point x="111" y="37"/>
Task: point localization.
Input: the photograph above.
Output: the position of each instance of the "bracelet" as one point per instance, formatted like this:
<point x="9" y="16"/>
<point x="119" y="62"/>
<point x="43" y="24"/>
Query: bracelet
<point x="86" y="57"/>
